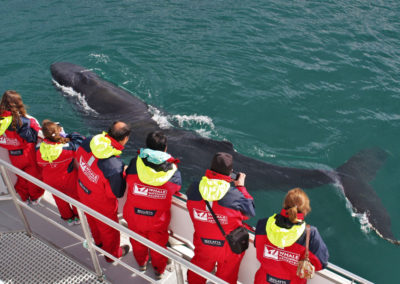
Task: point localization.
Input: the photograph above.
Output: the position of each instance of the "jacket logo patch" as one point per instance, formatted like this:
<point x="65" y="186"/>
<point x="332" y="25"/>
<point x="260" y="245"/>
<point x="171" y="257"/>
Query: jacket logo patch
<point x="16" y="152"/>
<point x="85" y="189"/>
<point x="150" y="192"/>
<point x="274" y="280"/>
<point x="214" y="243"/>
<point x="205" y="216"/>
<point x="145" y="212"/>
<point x="281" y="255"/>
<point x="87" y="171"/>
<point x="9" y="141"/>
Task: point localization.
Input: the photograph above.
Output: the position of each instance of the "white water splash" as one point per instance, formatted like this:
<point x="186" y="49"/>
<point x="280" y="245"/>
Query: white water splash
<point x="263" y="154"/>
<point x="158" y="117"/>
<point x="100" y="58"/>
<point x="204" y="133"/>
<point x="362" y="218"/>
<point x="188" y="120"/>
<point x="69" y="91"/>
<point x="126" y="82"/>
<point x="204" y="123"/>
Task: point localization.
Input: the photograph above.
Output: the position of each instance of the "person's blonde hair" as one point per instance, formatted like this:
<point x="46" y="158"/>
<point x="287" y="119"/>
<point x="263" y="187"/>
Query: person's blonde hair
<point x="12" y="102"/>
<point x="51" y="131"/>
<point x="296" y="201"/>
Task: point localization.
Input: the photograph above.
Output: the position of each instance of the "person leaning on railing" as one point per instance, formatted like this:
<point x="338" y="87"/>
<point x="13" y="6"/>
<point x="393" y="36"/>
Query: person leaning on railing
<point x="101" y="181"/>
<point x="152" y="178"/>
<point x="19" y="134"/>
<point x="231" y="205"/>
<point x="281" y="242"/>
<point x="55" y="156"/>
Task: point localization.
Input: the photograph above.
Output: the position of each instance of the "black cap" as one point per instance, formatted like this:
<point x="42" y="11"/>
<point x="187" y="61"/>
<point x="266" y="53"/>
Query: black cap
<point x="222" y="163"/>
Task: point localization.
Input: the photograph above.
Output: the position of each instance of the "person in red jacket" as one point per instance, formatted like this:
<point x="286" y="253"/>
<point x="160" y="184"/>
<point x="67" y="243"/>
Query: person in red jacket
<point x="55" y="156"/>
<point x="281" y="239"/>
<point x="231" y="204"/>
<point x="152" y="178"/>
<point x="19" y="134"/>
<point x="101" y="181"/>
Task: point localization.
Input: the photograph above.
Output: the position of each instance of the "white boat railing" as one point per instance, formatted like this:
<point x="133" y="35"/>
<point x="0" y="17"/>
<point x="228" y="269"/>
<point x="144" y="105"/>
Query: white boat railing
<point x="178" y="261"/>
<point x="333" y="273"/>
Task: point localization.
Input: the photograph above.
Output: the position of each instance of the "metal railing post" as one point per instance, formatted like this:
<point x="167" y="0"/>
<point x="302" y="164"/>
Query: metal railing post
<point x="11" y="189"/>
<point x="179" y="273"/>
<point x="92" y="251"/>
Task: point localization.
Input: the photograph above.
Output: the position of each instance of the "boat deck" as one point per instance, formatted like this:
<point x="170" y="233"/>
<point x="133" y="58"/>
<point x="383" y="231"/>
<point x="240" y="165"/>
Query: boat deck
<point x="51" y="255"/>
<point x="40" y="262"/>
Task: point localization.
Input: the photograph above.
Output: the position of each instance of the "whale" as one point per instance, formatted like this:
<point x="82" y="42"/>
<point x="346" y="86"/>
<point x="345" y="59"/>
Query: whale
<point x="108" y="102"/>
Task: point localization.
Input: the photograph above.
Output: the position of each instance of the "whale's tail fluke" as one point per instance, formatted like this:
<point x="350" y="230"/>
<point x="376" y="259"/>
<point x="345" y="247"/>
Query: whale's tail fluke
<point x="354" y="177"/>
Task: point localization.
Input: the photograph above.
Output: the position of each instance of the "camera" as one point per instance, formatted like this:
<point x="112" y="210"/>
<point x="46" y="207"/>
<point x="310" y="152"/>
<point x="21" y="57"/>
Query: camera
<point x="234" y="175"/>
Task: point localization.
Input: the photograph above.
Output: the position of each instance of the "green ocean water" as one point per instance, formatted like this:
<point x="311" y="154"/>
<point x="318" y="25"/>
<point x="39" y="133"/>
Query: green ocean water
<point x="296" y="83"/>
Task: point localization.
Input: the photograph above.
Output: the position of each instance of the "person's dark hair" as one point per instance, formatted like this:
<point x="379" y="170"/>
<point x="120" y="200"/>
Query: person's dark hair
<point x="12" y="101"/>
<point x="119" y="130"/>
<point x="156" y="140"/>
<point x="222" y="163"/>
<point x="51" y="132"/>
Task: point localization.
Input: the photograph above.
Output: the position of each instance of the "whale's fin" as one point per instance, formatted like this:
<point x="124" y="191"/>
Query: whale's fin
<point x="365" y="164"/>
<point x="354" y="176"/>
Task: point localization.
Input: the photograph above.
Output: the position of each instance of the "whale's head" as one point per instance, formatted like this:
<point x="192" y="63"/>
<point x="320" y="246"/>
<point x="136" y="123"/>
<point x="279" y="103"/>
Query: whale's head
<point x="68" y="74"/>
<point x="101" y="96"/>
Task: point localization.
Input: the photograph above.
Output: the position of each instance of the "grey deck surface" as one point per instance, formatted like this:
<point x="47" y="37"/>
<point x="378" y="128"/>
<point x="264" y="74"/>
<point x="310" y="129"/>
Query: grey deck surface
<point x="62" y="244"/>
<point x="40" y="262"/>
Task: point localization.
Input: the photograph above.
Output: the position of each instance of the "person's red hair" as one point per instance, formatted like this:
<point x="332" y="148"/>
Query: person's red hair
<point x="51" y="131"/>
<point x="296" y="201"/>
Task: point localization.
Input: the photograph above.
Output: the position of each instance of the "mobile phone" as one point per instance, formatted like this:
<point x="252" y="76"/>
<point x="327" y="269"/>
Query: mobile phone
<point x="234" y="175"/>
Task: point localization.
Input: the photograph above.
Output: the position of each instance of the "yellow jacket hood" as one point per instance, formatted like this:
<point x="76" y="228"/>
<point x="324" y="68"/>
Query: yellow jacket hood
<point x="102" y="146"/>
<point x="282" y="237"/>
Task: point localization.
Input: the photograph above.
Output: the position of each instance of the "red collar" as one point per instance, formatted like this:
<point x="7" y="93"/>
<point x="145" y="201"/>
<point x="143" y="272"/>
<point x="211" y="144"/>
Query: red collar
<point x="6" y="113"/>
<point x="214" y="175"/>
<point x="284" y="213"/>
<point x="172" y="160"/>
<point x="115" y="143"/>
